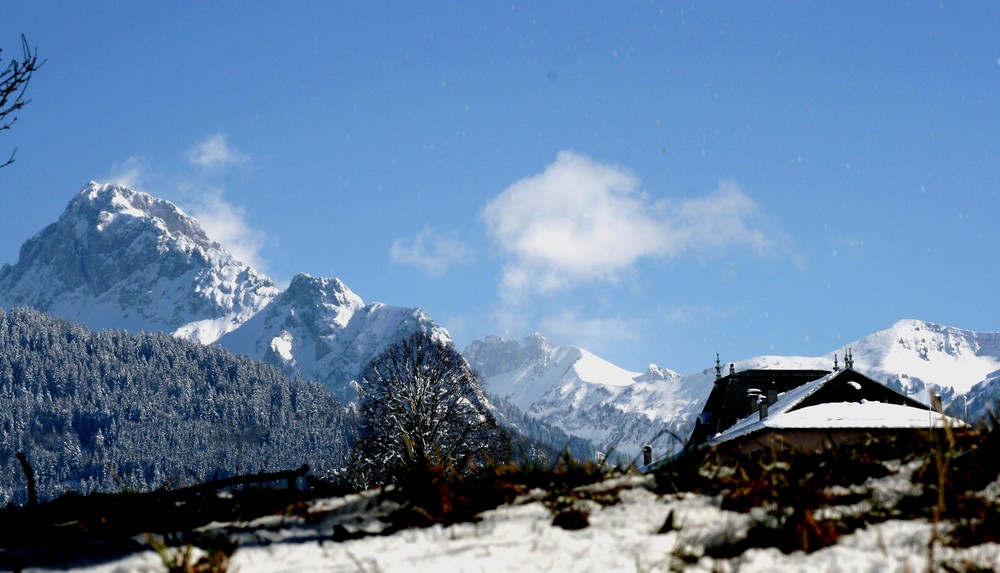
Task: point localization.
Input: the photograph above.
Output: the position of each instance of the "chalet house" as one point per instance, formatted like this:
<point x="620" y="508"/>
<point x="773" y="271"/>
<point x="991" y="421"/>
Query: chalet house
<point x="757" y="411"/>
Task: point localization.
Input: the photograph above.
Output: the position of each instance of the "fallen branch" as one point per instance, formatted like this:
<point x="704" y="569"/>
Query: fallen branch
<point x="290" y="475"/>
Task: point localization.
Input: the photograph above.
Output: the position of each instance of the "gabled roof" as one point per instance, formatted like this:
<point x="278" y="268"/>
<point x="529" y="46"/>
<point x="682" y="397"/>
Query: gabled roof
<point x="729" y="401"/>
<point x="845" y="399"/>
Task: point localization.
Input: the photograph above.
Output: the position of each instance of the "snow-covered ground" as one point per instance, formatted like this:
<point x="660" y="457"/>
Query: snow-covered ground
<point x="626" y="536"/>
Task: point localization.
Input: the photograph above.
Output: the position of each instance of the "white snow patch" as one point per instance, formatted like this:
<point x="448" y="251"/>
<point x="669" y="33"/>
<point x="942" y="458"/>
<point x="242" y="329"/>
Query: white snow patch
<point x="861" y="415"/>
<point x="282" y="345"/>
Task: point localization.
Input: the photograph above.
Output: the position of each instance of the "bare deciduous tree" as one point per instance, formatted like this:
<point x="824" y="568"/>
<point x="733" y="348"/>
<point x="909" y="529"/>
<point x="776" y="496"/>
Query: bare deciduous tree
<point x="421" y="406"/>
<point x="13" y="84"/>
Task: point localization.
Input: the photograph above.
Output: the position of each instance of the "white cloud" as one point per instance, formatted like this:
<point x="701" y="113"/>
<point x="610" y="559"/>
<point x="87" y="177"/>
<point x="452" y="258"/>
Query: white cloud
<point x="692" y="314"/>
<point x="131" y="173"/>
<point x="725" y="217"/>
<point x="581" y="221"/>
<point x="225" y="223"/>
<point x="595" y="334"/>
<point x="431" y="252"/>
<point x="215" y="151"/>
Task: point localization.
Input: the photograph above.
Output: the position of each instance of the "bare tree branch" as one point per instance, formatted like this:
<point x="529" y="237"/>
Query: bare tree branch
<point x="13" y="84"/>
<point x="422" y="406"/>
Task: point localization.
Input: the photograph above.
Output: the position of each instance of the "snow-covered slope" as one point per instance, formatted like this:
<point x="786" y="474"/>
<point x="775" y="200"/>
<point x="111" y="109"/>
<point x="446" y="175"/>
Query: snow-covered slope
<point x="319" y="329"/>
<point x="924" y="354"/>
<point x="123" y="259"/>
<point x="118" y="258"/>
<point x="583" y="394"/>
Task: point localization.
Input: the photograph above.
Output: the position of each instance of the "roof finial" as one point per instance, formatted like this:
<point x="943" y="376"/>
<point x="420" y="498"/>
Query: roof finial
<point x="836" y="366"/>
<point x="849" y="358"/>
<point x="732" y="369"/>
<point x="718" y="367"/>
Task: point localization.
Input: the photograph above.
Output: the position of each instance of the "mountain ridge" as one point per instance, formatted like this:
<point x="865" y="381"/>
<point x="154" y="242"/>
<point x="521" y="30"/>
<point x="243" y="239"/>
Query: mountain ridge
<point x="319" y="329"/>
<point x="119" y="258"/>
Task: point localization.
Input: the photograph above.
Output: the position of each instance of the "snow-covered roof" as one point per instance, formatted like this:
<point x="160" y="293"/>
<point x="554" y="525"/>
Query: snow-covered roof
<point x="786" y="401"/>
<point x="786" y="414"/>
<point x="860" y="415"/>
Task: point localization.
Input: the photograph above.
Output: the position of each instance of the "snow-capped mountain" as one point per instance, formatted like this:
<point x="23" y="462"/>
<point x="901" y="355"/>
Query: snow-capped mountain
<point x="321" y="330"/>
<point x="118" y="258"/>
<point x="586" y="396"/>
<point x="922" y="355"/>
<point x="123" y="259"/>
<point x="583" y="394"/>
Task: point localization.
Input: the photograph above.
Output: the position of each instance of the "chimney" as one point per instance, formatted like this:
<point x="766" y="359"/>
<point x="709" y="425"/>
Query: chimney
<point x="936" y="403"/>
<point x="772" y="396"/>
<point x="647" y="455"/>
<point x="755" y="397"/>
<point x="763" y="408"/>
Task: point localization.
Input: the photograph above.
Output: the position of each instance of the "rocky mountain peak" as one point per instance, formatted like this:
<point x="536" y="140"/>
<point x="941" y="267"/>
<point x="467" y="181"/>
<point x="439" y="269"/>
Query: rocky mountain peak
<point x="328" y="292"/>
<point x="118" y="258"/>
<point x="494" y="355"/>
<point x="100" y="206"/>
<point x="654" y="373"/>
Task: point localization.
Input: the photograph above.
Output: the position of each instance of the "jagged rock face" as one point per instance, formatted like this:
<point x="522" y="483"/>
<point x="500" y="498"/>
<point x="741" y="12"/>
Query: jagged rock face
<point x="494" y="355"/>
<point x="654" y="373"/>
<point x="117" y="258"/>
<point x="319" y="329"/>
<point x="982" y="403"/>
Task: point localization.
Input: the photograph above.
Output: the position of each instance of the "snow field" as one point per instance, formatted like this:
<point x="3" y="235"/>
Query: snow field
<point x="621" y="537"/>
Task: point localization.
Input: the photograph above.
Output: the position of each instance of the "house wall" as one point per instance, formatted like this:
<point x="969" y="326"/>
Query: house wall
<point x="804" y="440"/>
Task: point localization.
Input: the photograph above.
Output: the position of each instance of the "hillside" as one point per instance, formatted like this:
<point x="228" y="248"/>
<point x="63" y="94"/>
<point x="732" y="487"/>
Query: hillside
<point x="106" y="411"/>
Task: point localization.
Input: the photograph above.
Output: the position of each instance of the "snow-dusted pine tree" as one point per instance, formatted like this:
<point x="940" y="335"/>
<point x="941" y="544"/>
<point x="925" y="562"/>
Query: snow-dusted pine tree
<point x="421" y="405"/>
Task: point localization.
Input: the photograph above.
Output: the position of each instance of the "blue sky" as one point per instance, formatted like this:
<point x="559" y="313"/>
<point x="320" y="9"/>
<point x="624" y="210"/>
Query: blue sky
<point x="656" y="182"/>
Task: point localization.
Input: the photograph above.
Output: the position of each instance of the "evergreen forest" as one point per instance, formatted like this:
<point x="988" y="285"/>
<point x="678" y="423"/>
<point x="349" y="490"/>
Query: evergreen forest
<point x="112" y="411"/>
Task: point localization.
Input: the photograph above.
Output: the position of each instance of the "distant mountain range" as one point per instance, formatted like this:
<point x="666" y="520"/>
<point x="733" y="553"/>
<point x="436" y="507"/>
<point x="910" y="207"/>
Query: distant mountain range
<point x="620" y="410"/>
<point x="585" y="395"/>
<point x="117" y="258"/>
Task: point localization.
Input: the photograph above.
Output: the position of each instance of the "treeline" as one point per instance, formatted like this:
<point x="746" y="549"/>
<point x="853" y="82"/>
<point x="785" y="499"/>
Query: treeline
<point x="112" y="411"/>
<point x="536" y="440"/>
